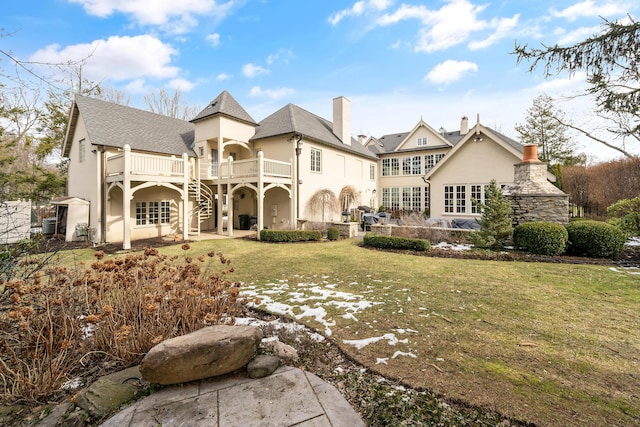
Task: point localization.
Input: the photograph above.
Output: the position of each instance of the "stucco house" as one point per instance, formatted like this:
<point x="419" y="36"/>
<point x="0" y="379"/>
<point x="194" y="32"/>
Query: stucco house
<point x="442" y="172"/>
<point x="147" y="175"/>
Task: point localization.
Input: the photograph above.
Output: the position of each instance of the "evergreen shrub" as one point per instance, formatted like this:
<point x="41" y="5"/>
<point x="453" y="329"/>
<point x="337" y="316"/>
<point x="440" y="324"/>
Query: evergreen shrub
<point x="595" y="239"/>
<point x="542" y="238"/>
<point x="333" y="233"/>
<point x="391" y="242"/>
<point x="279" y="236"/>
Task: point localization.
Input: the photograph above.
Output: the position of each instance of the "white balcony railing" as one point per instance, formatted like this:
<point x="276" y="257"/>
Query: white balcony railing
<point x="165" y="166"/>
<point x="145" y="164"/>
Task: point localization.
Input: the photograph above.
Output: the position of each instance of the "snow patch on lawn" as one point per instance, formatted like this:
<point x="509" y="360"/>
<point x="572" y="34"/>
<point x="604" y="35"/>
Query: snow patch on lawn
<point x="360" y="344"/>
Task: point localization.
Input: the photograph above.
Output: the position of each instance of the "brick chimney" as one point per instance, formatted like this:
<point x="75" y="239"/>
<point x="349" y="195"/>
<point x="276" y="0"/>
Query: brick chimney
<point x="342" y="119"/>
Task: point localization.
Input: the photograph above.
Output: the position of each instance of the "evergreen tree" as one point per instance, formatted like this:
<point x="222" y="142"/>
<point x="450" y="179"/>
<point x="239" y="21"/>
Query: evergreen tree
<point x="543" y="126"/>
<point x="495" y="225"/>
<point x="611" y="61"/>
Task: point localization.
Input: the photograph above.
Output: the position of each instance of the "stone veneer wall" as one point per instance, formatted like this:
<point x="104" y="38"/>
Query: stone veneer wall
<point x="532" y="196"/>
<point x="539" y="207"/>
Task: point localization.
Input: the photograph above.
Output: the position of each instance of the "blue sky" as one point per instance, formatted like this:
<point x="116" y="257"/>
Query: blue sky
<point x="397" y="61"/>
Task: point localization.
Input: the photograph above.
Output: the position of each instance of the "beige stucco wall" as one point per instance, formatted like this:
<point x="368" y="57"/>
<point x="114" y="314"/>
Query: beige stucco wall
<point x="472" y="163"/>
<point x="338" y="169"/>
<point x="159" y="193"/>
<point x="84" y="178"/>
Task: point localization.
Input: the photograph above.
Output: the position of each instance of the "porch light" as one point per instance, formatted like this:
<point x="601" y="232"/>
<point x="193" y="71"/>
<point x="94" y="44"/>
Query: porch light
<point x="345" y="216"/>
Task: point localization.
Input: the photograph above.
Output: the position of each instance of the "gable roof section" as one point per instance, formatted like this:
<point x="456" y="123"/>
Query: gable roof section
<point x="507" y="143"/>
<point x="225" y="105"/>
<point x="114" y="125"/>
<point x="407" y="136"/>
<point x="293" y="119"/>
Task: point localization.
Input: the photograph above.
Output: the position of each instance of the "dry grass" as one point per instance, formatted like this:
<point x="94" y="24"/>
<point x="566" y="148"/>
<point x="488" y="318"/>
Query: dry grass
<point x="551" y="344"/>
<point x="63" y="321"/>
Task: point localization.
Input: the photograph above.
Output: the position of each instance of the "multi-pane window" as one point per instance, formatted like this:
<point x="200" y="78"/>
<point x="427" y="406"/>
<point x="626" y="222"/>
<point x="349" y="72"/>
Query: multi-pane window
<point x="406" y="198"/>
<point x="391" y="197"/>
<point x="412" y="165"/>
<point x="412" y="198"/>
<point x="461" y="198"/>
<point x="448" y="198"/>
<point x="141" y="213"/>
<point x="316" y="160"/>
<point x="390" y="167"/>
<point x="430" y="161"/>
<point x="395" y="198"/>
<point x="372" y="172"/>
<point x="426" y="198"/>
<point x="476" y="198"/>
<point x="406" y="166"/>
<point x="82" y="150"/>
<point x="165" y="212"/>
<point x="422" y="142"/>
<point x="153" y="212"/>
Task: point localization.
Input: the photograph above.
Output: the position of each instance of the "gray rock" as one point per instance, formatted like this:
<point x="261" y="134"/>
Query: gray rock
<point x="285" y="352"/>
<point x="262" y="366"/>
<point x="110" y="392"/>
<point x="57" y="416"/>
<point x="208" y="352"/>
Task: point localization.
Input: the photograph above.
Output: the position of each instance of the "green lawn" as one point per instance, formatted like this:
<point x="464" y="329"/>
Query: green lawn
<point x="551" y="344"/>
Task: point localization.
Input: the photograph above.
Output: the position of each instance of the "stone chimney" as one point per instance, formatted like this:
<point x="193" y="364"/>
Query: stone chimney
<point x="464" y="125"/>
<point x="532" y="196"/>
<point x="361" y="139"/>
<point x="342" y="119"/>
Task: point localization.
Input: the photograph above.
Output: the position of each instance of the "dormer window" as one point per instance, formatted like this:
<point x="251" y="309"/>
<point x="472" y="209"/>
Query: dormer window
<point x="422" y="141"/>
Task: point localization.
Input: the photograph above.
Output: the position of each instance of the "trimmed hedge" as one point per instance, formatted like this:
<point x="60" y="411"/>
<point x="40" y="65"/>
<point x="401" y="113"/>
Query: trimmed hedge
<point x="333" y="233"/>
<point x="595" y="239"/>
<point x="391" y="242"/>
<point x="290" y="235"/>
<point x="542" y="238"/>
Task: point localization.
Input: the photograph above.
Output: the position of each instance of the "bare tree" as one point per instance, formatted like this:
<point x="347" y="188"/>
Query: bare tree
<point x="172" y="105"/>
<point x="324" y="204"/>
<point x="348" y="197"/>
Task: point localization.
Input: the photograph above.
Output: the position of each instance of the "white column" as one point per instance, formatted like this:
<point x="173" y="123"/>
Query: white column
<point x="185" y="197"/>
<point x="126" y="198"/>
<point x="293" y="193"/>
<point x="230" y="207"/>
<point x="260" y="213"/>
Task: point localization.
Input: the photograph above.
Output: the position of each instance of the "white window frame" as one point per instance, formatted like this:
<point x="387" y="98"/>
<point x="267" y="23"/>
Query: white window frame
<point x="422" y="141"/>
<point x="316" y="160"/>
<point x="82" y="150"/>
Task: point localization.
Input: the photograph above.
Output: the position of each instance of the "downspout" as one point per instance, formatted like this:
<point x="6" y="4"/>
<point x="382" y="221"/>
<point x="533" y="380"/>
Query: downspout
<point x="103" y="195"/>
<point x="298" y="142"/>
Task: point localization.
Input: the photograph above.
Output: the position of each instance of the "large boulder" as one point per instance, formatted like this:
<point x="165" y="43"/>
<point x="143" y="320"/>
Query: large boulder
<point x="208" y="352"/>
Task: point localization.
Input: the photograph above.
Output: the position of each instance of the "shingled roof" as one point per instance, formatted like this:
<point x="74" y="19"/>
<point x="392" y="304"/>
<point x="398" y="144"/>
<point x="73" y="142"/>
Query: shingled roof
<point x="226" y="105"/>
<point x="292" y="119"/>
<point x="114" y="125"/>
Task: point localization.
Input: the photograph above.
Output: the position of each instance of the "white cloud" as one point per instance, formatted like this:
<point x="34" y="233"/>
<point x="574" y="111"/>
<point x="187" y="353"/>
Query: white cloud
<point x="257" y="91"/>
<point x="176" y="17"/>
<point x="450" y="71"/>
<point x="117" y="58"/>
<point x="503" y="26"/>
<point x="358" y="8"/>
<point x="252" y="70"/>
<point x="562" y="85"/>
<point x="138" y="86"/>
<point x="283" y="55"/>
<point x="449" y="26"/>
<point x="405" y="12"/>
<point x="181" y="84"/>
<point x="591" y="8"/>
<point x="578" y="34"/>
<point x="223" y="76"/>
<point x="213" y="39"/>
